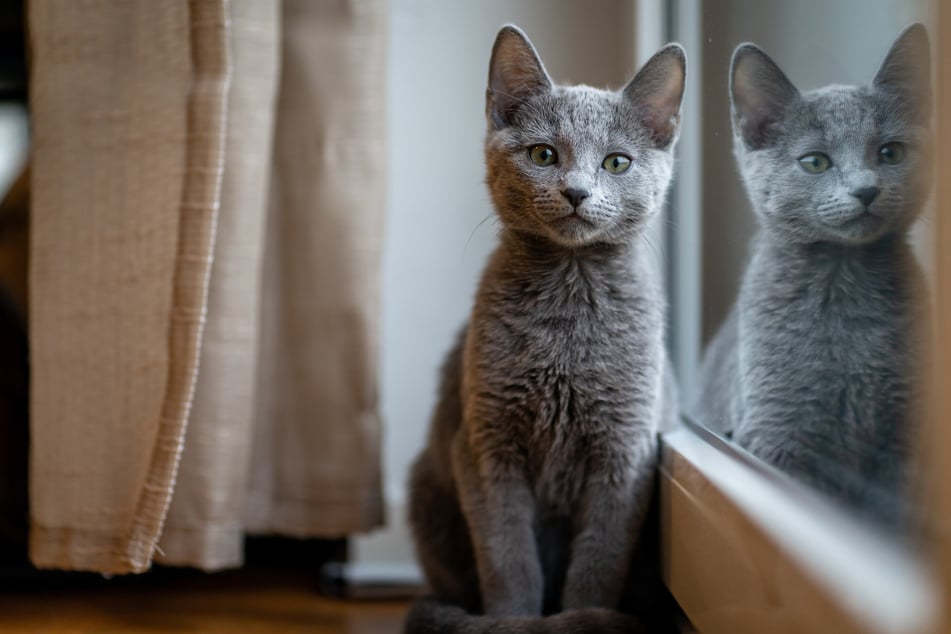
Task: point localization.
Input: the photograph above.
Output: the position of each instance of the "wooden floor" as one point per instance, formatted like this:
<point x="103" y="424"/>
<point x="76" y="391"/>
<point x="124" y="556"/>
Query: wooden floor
<point x="235" y="602"/>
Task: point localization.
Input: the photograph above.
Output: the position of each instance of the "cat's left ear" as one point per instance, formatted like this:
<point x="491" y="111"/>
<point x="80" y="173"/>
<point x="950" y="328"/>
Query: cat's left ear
<point x="906" y="70"/>
<point x="657" y="91"/>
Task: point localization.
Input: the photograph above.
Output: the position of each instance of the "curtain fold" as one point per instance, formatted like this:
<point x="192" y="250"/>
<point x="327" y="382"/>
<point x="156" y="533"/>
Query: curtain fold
<point x="316" y="468"/>
<point x="190" y="387"/>
<point x="205" y="525"/>
<point x="128" y="102"/>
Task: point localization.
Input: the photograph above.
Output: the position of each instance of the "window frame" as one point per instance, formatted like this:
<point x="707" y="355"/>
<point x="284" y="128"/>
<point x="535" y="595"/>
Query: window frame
<point x="748" y="549"/>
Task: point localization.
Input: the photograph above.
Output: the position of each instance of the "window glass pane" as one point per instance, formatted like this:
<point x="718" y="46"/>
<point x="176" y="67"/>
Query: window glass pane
<point x="815" y="188"/>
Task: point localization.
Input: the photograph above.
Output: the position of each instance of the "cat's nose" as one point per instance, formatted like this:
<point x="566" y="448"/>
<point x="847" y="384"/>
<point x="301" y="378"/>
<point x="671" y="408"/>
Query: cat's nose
<point x="866" y="194"/>
<point x="575" y="195"/>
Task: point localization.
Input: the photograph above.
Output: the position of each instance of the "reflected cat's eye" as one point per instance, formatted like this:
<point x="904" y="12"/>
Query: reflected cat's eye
<point x="616" y="163"/>
<point x="543" y="155"/>
<point x="815" y="163"/>
<point x="891" y="153"/>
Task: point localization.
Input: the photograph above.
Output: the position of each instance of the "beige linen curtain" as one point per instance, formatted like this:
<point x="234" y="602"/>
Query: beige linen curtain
<point x="162" y="368"/>
<point x="319" y="352"/>
<point x="205" y="520"/>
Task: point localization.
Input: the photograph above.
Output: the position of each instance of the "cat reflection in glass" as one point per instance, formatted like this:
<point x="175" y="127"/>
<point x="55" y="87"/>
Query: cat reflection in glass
<point x="815" y="369"/>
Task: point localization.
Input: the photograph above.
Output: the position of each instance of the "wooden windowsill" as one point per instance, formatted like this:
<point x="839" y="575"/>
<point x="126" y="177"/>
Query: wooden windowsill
<point x="749" y="550"/>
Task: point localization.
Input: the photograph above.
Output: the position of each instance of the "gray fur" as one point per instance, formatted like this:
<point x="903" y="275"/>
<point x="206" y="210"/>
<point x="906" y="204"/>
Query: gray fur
<point x="431" y="617"/>
<point x="532" y="491"/>
<point x="815" y="369"/>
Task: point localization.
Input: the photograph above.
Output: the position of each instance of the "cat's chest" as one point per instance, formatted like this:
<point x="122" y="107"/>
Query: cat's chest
<point x="564" y="371"/>
<point x="836" y="336"/>
<point x="830" y="305"/>
<point x="568" y="337"/>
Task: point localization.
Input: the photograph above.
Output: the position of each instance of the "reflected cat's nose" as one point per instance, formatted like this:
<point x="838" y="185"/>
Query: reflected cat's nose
<point x="866" y="194"/>
<point x="575" y="196"/>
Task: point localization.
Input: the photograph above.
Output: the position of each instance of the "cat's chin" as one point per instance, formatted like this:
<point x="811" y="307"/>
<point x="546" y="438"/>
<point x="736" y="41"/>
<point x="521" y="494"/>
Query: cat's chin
<point x="861" y="228"/>
<point x="574" y="230"/>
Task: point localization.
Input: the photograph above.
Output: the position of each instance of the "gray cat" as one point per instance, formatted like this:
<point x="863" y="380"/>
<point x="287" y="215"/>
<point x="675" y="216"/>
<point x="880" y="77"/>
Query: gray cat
<point x="815" y="369"/>
<point x="531" y="493"/>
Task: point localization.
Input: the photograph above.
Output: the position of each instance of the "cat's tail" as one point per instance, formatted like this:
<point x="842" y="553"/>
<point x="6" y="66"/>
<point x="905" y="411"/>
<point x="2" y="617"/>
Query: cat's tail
<point x="428" y="616"/>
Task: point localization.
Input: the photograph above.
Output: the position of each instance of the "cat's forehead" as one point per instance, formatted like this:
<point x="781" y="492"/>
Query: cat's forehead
<point x="846" y="114"/>
<point x="578" y="113"/>
<point x="834" y="105"/>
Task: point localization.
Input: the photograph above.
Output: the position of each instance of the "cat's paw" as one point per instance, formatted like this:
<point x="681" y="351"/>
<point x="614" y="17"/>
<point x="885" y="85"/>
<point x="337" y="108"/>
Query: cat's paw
<point x="593" y="620"/>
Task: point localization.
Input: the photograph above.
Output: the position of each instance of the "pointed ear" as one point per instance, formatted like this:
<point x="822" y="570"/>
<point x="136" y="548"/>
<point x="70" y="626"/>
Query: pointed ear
<point x="515" y="73"/>
<point x="906" y="70"/>
<point x="656" y="92"/>
<point x="759" y="95"/>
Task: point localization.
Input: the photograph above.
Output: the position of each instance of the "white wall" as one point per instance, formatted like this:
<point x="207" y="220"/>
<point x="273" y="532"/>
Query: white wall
<point x="436" y="246"/>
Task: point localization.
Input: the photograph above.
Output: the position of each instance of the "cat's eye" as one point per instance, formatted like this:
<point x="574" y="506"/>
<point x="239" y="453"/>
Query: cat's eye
<point x="543" y="155"/>
<point x="892" y="153"/>
<point x="616" y="163"/>
<point x="815" y="162"/>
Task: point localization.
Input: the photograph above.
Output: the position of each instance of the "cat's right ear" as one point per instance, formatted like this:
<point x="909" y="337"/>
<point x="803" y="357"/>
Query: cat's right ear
<point x="515" y="73"/>
<point x="906" y="71"/>
<point x="760" y="93"/>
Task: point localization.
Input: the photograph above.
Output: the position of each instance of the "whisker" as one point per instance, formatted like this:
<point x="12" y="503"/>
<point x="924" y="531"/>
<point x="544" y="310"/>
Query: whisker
<point x="472" y="233"/>
<point x="651" y="246"/>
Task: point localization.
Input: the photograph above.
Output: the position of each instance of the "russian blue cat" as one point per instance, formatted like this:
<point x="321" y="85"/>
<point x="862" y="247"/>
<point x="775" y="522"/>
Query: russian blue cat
<point x="816" y="368"/>
<point x="531" y="494"/>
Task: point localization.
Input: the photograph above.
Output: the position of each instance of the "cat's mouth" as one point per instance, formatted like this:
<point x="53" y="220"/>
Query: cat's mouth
<point x="862" y="219"/>
<point x="574" y="227"/>
<point x="577" y="215"/>
<point x="575" y="219"/>
<point x="860" y="226"/>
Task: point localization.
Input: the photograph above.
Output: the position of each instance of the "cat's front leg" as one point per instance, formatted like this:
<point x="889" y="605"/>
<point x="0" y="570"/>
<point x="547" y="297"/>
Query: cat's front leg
<point x="499" y="507"/>
<point x="608" y="524"/>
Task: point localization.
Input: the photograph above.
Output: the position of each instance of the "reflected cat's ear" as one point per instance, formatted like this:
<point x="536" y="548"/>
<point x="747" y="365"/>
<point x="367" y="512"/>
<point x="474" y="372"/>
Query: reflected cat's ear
<point x="515" y="73"/>
<point x="906" y="70"/>
<point x="759" y="96"/>
<point x="657" y="91"/>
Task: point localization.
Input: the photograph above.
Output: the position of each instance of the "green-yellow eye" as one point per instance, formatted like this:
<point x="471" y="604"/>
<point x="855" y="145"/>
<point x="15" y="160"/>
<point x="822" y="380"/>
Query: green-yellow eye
<point x="815" y="162"/>
<point x="543" y="155"/>
<point x="616" y="163"/>
<point x="892" y="153"/>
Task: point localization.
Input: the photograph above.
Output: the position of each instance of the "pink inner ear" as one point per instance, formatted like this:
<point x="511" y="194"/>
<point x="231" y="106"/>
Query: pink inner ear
<point x="665" y="105"/>
<point x="516" y="69"/>
<point x="742" y="87"/>
<point x="662" y="117"/>
<point x="515" y="73"/>
<point x="751" y="99"/>
<point x="662" y="104"/>
<point x="656" y="91"/>
<point x="517" y="77"/>
<point x="760" y="93"/>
